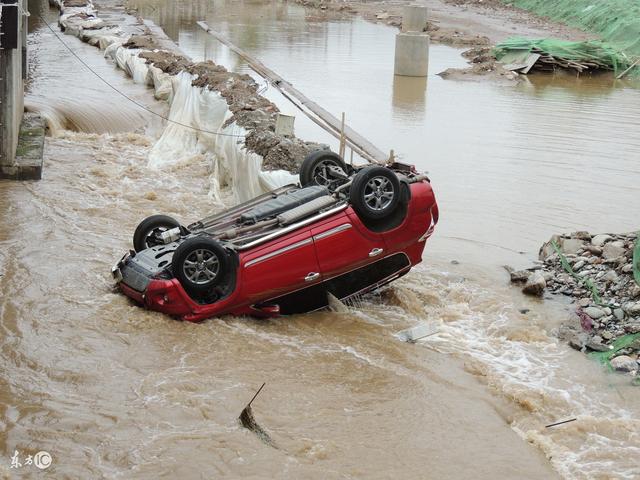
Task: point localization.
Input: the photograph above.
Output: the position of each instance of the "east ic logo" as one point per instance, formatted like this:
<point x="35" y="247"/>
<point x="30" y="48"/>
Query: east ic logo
<point x="42" y="460"/>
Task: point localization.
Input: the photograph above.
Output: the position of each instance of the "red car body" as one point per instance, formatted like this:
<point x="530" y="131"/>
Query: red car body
<point x="292" y="273"/>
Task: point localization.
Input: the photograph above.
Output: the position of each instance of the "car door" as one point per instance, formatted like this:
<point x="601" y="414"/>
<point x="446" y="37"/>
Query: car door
<point x="284" y="265"/>
<point x="344" y="244"/>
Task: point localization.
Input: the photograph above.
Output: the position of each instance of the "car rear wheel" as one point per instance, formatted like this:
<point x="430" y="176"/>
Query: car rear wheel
<point x="375" y="193"/>
<point x="200" y="264"/>
<point x="148" y="232"/>
<point x="316" y="169"/>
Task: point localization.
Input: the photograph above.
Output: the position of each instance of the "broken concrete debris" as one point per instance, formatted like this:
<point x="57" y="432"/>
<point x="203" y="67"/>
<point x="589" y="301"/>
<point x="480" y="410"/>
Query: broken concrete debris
<point x="413" y="334"/>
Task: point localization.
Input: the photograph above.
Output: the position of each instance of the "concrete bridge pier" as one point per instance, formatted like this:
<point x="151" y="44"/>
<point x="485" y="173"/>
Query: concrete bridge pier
<point x="412" y="44"/>
<point x="20" y="143"/>
<point x="414" y="18"/>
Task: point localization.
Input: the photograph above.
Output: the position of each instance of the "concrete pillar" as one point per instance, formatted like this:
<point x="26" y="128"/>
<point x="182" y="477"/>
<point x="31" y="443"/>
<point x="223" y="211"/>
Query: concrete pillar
<point x="412" y="54"/>
<point x="11" y="89"/>
<point x="21" y="136"/>
<point x="25" y="31"/>
<point x="414" y="18"/>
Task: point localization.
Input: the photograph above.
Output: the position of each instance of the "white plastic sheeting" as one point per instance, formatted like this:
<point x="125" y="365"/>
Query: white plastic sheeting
<point x="232" y="164"/>
<point x="205" y="111"/>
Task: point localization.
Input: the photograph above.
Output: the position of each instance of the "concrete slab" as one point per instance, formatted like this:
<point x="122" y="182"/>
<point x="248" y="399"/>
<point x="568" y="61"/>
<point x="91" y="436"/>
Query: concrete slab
<point x="30" y="150"/>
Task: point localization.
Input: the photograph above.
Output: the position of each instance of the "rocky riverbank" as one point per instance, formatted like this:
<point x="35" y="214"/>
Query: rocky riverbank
<point x="601" y="275"/>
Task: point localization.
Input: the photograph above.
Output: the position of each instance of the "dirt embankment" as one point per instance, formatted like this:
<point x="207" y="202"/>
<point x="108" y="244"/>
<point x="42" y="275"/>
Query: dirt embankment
<point x="249" y="109"/>
<point x="478" y="24"/>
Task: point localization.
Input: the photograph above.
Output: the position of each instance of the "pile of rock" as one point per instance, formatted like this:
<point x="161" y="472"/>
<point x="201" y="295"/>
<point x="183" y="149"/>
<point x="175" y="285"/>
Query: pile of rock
<point x="598" y="275"/>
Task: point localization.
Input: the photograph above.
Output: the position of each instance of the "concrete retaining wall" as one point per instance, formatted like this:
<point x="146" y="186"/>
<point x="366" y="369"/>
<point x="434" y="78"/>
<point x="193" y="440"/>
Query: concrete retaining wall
<point x="21" y="136"/>
<point x="11" y="91"/>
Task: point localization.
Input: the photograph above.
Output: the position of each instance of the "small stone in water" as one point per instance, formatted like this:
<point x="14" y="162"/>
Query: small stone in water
<point x="624" y="363"/>
<point x="520" y="276"/>
<point x="535" y="285"/>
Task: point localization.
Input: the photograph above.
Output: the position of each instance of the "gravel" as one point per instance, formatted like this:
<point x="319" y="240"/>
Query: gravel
<point x="598" y="278"/>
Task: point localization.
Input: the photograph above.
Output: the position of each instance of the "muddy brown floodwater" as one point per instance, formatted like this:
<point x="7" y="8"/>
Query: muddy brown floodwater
<point x="113" y="391"/>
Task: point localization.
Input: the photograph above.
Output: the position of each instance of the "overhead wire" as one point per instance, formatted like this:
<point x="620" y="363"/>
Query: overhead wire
<point x="135" y="102"/>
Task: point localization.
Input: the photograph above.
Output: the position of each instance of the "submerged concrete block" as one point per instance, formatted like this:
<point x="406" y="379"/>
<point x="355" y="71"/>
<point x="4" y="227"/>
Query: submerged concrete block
<point x="414" y="18"/>
<point x="412" y="54"/>
<point x="29" y="152"/>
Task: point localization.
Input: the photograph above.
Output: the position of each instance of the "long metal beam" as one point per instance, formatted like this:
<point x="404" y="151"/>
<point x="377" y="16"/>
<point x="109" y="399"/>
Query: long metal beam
<point x="319" y="115"/>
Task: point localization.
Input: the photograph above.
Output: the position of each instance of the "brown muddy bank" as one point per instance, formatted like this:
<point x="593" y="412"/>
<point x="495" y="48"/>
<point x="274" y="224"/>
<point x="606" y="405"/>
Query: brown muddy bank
<point x="476" y="24"/>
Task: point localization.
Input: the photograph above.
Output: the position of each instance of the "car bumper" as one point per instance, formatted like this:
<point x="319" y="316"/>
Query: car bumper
<point x="166" y="296"/>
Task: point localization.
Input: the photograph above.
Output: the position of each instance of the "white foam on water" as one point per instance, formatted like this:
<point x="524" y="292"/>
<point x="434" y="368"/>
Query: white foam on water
<point x="521" y="361"/>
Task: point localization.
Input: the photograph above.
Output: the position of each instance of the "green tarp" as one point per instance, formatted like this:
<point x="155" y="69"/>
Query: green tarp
<point x="616" y="22"/>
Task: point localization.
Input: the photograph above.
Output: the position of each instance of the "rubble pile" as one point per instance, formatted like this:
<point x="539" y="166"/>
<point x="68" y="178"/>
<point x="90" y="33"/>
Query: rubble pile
<point x="598" y="273"/>
<point x="249" y="109"/>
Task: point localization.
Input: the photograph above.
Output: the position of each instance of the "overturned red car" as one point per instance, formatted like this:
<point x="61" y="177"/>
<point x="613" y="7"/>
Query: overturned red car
<point x="345" y="231"/>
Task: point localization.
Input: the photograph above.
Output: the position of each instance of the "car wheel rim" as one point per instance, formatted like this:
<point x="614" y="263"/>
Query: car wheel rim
<point x="320" y="172"/>
<point x="378" y="193"/>
<point x="201" y="266"/>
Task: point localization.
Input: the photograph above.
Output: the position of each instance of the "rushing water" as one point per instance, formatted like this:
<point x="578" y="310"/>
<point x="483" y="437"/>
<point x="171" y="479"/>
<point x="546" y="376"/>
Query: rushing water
<point x="114" y="391"/>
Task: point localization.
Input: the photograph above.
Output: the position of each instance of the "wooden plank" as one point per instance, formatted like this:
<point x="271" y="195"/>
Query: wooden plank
<point x="530" y="62"/>
<point x="515" y="66"/>
<point x="628" y="69"/>
<point x="356" y="141"/>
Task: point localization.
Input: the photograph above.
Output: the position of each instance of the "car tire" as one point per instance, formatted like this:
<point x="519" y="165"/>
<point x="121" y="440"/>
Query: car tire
<point x="375" y="193"/>
<point x="200" y="264"/>
<point x="312" y="171"/>
<point x="143" y="237"/>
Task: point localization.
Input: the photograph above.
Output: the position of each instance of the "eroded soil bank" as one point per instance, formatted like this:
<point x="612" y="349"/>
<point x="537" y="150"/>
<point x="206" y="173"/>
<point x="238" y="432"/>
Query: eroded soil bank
<point x="473" y="24"/>
<point x="249" y="110"/>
